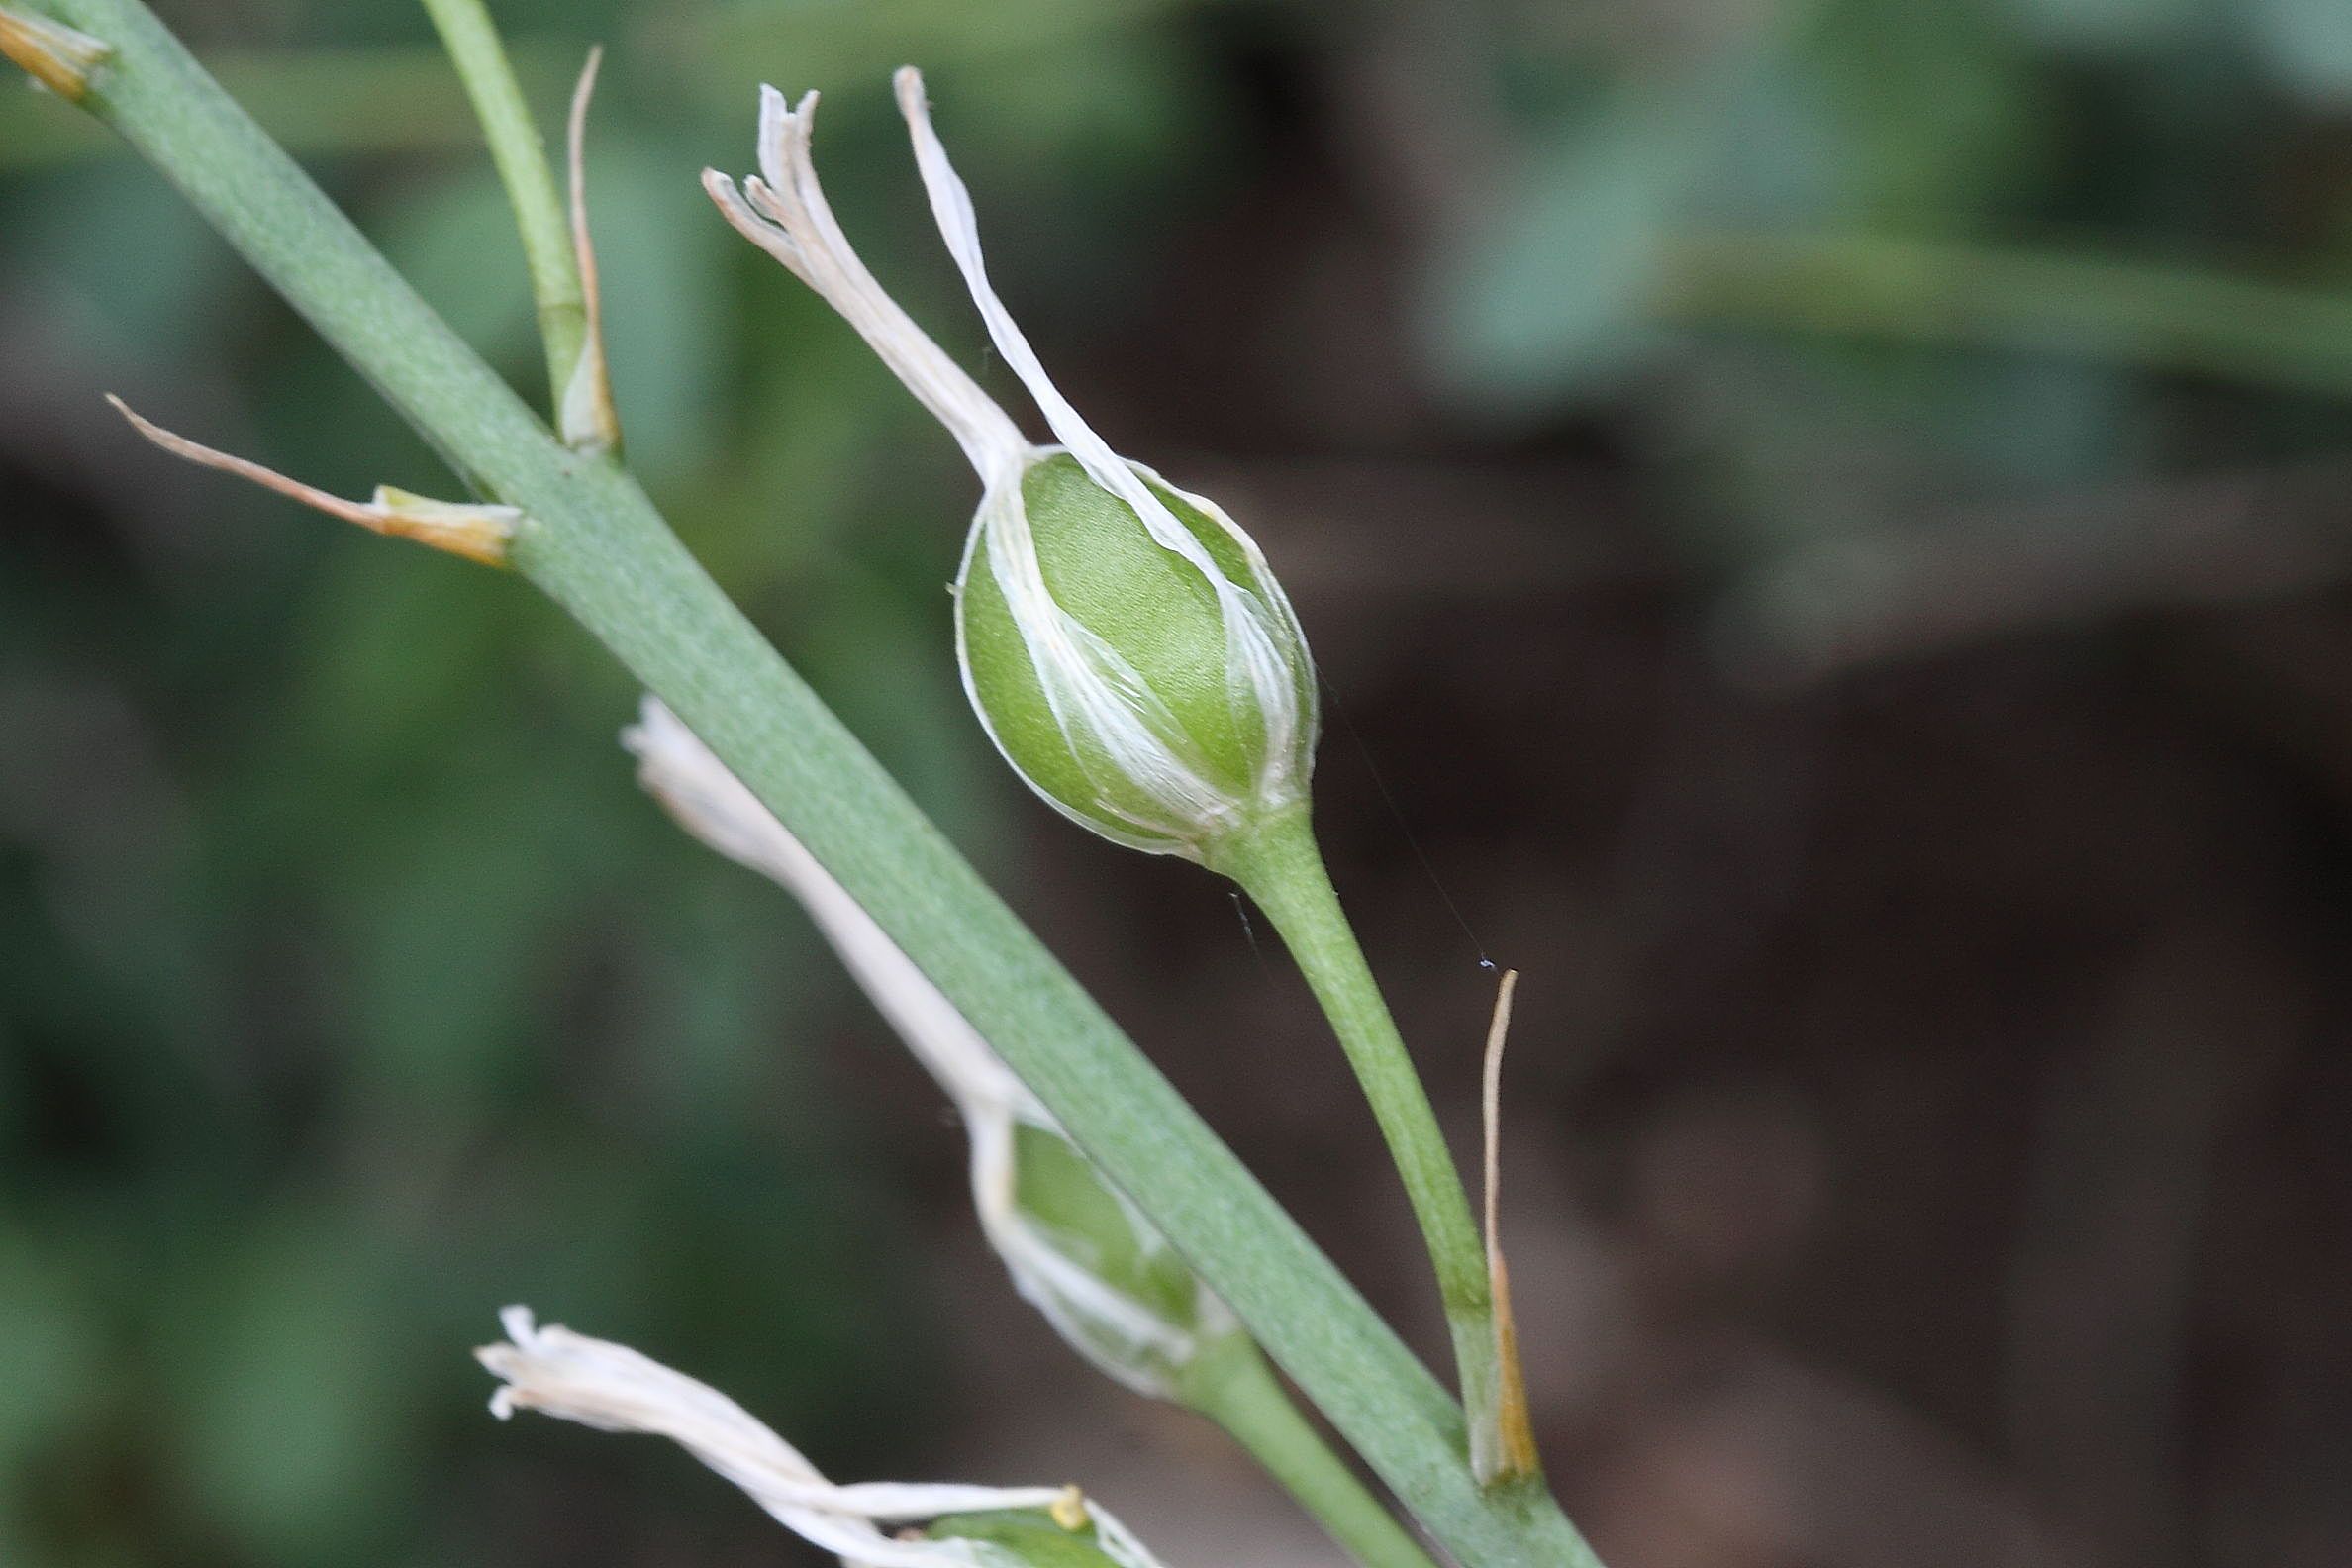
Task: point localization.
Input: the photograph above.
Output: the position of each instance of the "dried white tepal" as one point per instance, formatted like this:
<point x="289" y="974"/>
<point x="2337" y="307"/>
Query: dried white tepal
<point x="1077" y="1248"/>
<point x="612" y="1388"/>
<point x="1123" y="640"/>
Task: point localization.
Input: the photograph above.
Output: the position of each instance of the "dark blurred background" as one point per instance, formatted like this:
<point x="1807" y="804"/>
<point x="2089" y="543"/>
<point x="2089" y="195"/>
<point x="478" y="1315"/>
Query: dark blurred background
<point x="1827" y="526"/>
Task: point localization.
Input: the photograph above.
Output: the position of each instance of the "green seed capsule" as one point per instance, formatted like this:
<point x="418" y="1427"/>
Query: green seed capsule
<point x="1123" y="640"/>
<point x="1147" y="678"/>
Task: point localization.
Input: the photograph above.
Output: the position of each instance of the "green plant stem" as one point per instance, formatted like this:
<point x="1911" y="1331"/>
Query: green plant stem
<point x="1229" y="1382"/>
<point x="2160" y="316"/>
<point x="592" y="542"/>
<point x="521" y="154"/>
<point x="1279" y="865"/>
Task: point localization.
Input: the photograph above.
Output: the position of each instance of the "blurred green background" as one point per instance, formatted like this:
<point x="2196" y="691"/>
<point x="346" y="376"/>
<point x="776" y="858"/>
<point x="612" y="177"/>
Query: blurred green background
<point x="1827" y="526"/>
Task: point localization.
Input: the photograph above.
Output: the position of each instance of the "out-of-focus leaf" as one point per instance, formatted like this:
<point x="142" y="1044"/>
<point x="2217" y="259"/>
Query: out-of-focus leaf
<point x="49" y="1358"/>
<point x="1547" y="297"/>
<point x="454" y="921"/>
<point x="1809" y="441"/>
<point x="296" y="1393"/>
<point x="662" y="252"/>
<point x="452" y="236"/>
<point x="2307" y="46"/>
<point x="2117" y="26"/>
<point x="139" y="280"/>
<point x="1937" y="110"/>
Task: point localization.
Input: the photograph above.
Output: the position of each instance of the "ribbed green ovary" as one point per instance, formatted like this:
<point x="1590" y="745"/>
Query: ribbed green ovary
<point x="1104" y="568"/>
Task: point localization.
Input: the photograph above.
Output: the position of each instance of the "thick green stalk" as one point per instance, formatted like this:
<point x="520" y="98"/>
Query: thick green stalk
<point x="596" y="545"/>
<point x="521" y="154"/>
<point x="1229" y="1383"/>
<point x="1281" y="868"/>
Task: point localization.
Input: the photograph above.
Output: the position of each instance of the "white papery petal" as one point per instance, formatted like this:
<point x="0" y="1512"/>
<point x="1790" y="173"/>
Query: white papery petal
<point x="786" y="215"/>
<point x="612" y="1388"/>
<point x="1123" y="1338"/>
<point x="1257" y="676"/>
<point x="1148" y="773"/>
<point x="716" y="807"/>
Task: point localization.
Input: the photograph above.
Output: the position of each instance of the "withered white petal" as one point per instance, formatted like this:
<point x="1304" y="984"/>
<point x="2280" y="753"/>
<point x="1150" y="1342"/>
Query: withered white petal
<point x="786" y="215"/>
<point x="612" y="1388"/>
<point x="1255" y="665"/>
<point x="1124" y="1338"/>
<point x="714" y="806"/>
<point x="1151" y="784"/>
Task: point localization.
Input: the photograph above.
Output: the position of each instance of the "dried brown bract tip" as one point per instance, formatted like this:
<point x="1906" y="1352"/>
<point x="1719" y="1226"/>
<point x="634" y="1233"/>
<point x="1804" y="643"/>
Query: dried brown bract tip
<point x="476" y="531"/>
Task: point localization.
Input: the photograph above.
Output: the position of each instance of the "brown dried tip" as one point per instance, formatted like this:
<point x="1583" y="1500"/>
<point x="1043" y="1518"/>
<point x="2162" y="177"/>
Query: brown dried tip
<point x="50" y="52"/>
<point x="477" y="533"/>
<point x="1502" y="1444"/>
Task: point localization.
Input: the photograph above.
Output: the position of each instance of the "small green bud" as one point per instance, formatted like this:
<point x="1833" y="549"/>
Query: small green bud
<point x="1123" y="641"/>
<point x="1146" y="677"/>
<point x="1084" y="1256"/>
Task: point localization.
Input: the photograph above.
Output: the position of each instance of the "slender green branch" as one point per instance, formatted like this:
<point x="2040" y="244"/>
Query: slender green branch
<point x="594" y="544"/>
<point x="2159" y="315"/>
<point x="522" y="157"/>
<point x="1229" y="1383"/>
<point x="1280" y="867"/>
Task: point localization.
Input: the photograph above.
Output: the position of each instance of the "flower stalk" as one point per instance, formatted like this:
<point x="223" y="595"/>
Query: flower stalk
<point x="1281" y="867"/>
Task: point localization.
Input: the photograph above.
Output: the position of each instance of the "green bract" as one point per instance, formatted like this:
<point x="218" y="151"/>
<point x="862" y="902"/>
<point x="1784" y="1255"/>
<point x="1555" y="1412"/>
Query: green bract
<point x="1161" y="695"/>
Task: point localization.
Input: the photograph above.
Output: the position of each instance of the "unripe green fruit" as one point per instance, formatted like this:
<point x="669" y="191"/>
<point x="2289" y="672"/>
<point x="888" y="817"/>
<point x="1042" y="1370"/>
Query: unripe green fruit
<point x="1143" y="698"/>
<point x="1102" y="1273"/>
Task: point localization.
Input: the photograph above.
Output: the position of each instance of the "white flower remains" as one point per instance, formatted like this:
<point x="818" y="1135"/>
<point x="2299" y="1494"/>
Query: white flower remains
<point x="1162" y="696"/>
<point x="1142" y="1327"/>
<point x="612" y="1388"/>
